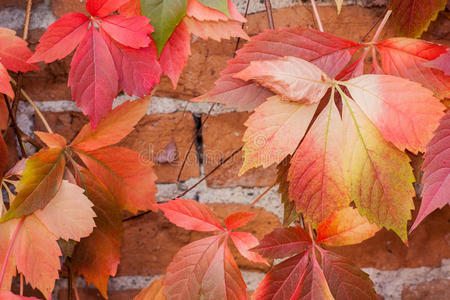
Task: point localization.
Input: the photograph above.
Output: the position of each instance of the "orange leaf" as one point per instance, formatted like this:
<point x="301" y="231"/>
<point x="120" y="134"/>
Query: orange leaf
<point x="3" y="156"/>
<point x="40" y="182"/>
<point x="114" y="127"/>
<point x="345" y="227"/>
<point x="238" y="219"/>
<point x="216" y="30"/>
<point x="52" y="140"/>
<point x="155" y="291"/>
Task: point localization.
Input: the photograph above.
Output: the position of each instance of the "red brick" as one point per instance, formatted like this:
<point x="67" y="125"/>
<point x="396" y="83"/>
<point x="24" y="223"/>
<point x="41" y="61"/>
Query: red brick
<point x="19" y="3"/>
<point x="149" y="138"/>
<point x="222" y="135"/>
<point x="428" y="245"/>
<point x="61" y="7"/>
<point x="150" y="242"/>
<point x="432" y="290"/>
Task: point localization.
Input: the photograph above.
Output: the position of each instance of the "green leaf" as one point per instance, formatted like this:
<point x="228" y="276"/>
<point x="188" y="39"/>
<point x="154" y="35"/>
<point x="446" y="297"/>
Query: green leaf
<point x="41" y="180"/>
<point x="220" y="5"/>
<point x="164" y="15"/>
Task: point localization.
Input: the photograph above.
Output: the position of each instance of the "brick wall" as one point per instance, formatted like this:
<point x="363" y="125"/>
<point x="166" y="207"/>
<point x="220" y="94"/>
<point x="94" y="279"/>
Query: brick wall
<point x="420" y="271"/>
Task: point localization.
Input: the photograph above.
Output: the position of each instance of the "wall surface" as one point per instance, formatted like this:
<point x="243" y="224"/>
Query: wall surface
<point x="420" y="271"/>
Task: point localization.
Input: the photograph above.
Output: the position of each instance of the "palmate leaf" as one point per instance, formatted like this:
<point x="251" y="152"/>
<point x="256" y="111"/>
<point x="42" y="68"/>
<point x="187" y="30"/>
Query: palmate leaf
<point x="102" y="8"/>
<point x="436" y="176"/>
<point x="441" y="63"/>
<point x="303" y="275"/>
<point x="412" y="17"/>
<point x="68" y="215"/>
<point x="154" y="291"/>
<point x="206" y="267"/>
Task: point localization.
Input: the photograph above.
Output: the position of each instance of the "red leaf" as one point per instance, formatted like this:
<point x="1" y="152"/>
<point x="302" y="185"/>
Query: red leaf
<point x="93" y="77"/>
<point x="102" y="8"/>
<point x="113" y="128"/>
<point x="131" y="9"/>
<point x="7" y="295"/>
<point x="4" y="114"/>
<point x="61" y="38"/>
<point x="407" y="57"/>
<point x="127" y="177"/>
<point x="244" y="241"/>
<point x="238" y="219"/>
<point x="191" y="215"/>
<point x="442" y="63"/>
<point x="345" y="227"/>
<point x="412" y="17"/>
<point x="328" y="52"/>
<point x="132" y="32"/>
<point x="223" y="280"/>
<point x="3" y="156"/>
<point x="175" y="53"/>
<point x="203" y="13"/>
<point x="436" y="172"/>
<point x="185" y="274"/>
<point x="97" y="256"/>
<point x="138" y="69"/>
<point x="14" y="52"/>
<point x="283" y="242"/>
<point x="345" y="280"/>
<point x="284" y="280"/>
<point x="314" y="285"/>
<point x="52" y="140"/>
<point x="5" y="85"/>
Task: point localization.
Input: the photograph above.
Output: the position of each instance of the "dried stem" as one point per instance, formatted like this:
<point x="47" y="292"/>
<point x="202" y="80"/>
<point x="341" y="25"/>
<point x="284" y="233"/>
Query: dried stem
<point x="8" y="251"/>
<point x="373" y="26"/>
<point x="269" y="14"/>
<point x="26" y="25"/>
<point x="243" y="24"/>
<point x="36" y="109"/>
<point x="316" y="15"/>
<point x="21" y="285"/>
<point x="262" y="195"/>
<point x="15" y="128"/>
<point x="380" y="28"/>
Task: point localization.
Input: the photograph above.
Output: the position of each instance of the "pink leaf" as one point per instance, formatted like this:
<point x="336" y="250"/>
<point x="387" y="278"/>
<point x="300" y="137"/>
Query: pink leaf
<point x="5" y="85"/>
<point x="283" y="242"/>
<point x="405" y="112"/>
<point x="175" y="53"/>
<point x="7" y="295"/>
<point x="244" y="241"/>
<point x="202" y="13"/>
<point x="93" y="77"/>
<point x="14" y="52"/>
<point x="436" y="172"/>
<point x="132" y="32"/>
<point x="61" y="38"/>
<point x="138" y="69"/>
<point x="191" y="215"/>
<point x="238" y="219"/>
<point x="314" y="285"/>
<point x="216" y="30"/>
<point x="102" y="8"/>
<point x="442" y="63"/>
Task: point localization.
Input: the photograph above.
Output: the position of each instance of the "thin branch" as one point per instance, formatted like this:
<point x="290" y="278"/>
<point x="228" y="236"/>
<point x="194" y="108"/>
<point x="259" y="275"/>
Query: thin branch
<point x="380" y="28"/>
<point x="21" y="285"/>
<point x="15" y="128"/>
<point x="262" y="195"/>
<point x="27" y="20"/>
<point x="243" y="24"/>
<point x="36" y="109"/>
<point x="269" y="14"/>
<point x="373" y="26"/>
<point x="69" y="280"/>
<point x="316" y="14"/>
<point x="222" y="162"/>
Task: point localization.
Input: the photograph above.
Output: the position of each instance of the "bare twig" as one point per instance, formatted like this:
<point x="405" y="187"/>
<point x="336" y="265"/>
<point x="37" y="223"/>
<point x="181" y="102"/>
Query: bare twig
<point x="15" y="128"/>
<point x="243" y="24"/>
<point x="316" y="15"/>
<point x="382" y="24"/>
<point x="222" y="162"/>
<point x="269" y="14"/>
<point x="373" y="26"/>
<point x="262" y="195"/>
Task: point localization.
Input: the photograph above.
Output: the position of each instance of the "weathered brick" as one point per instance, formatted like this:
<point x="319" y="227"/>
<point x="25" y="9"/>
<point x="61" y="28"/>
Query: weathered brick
<point x="222" y="135"/>
<point x="428" y="244"/>
<point x="19" y="3"/>
<point x="431" y="290"/>
<point x="155" y="132"/>
<point x="150" y="137"/>
<point x="61" y="7"/>
<point x="150" y="242"/>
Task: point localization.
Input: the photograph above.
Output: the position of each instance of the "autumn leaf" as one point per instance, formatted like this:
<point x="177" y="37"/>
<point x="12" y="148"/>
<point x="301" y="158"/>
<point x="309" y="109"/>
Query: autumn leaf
<point x="113" y="128"/>
<point x="330" y="53"/>
<point x="378" y="175"/>
<point x="436" y="172"/>
<point x="4" y="114"/>
<point x="129" y="179"/>
<point x="52" y="140"/>
<point x="339" y="5"/>
<point x="408" y="58"/>
<point x="216" y="30"/>
<point x="274" y="131"/>
<point x="3" y="156"/>
<point x="238" y="219"/>
<point x="345" y="227"/>
<point x="442" y="62"/>
<point x="314" y="285"/>
<point x="97" y="256"/>
<point x="102" y="8"/>
<point x="245" y="241"/>
<point x="412" y="17"/>
<point x="40" y="182"/>
<point x="130" y="32"/>
<point x="289" y="210"/>
<point x="220" y="5"/>
<point x="316" y="176"/>
<point x="165" y="15"/>
<point x="14" y="52"/>
<point x="61" y="38"/>
<point x="7" y="295"/>
<point x="5" y="85"/>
